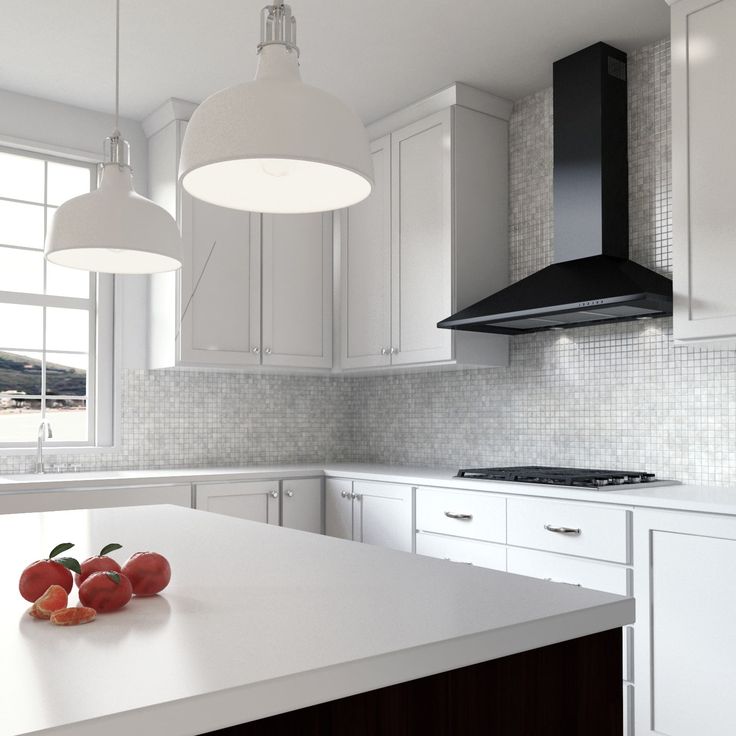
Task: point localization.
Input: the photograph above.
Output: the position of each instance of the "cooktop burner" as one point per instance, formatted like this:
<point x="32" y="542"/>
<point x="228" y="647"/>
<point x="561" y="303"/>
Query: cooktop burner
<point x="559" y="476"/>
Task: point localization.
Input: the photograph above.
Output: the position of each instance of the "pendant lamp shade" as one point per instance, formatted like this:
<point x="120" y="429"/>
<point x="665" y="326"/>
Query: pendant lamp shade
<point x="276" y="144"/>
<point x="114" y="230"/>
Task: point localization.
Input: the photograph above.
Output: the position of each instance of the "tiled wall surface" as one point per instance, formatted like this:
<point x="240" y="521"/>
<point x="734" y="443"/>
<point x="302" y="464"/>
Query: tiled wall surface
<point x="614" y="395"/>
<point x="199" y="418"/>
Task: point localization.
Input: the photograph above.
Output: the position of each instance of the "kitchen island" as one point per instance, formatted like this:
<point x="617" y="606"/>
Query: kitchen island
<point x="290" y="632"/>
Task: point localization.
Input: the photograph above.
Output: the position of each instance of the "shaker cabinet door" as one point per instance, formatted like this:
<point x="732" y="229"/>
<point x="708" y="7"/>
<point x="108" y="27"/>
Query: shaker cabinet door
<point x="421" y="217"/>
<point x="220" y="285"/>
<point x="704" y="159"/>
<point x="252" y="500"/>
<point x="297" y="290"/>
<point x="301" y="504"/>
<point x="366" y="269"/>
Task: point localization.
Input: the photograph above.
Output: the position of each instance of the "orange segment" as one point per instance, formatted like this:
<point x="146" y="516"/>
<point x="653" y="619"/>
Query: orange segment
<point x="73" y="616"/>
<point x="52" y="600"/>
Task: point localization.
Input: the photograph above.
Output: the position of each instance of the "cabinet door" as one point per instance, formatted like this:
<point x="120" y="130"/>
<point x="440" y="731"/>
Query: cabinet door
<point x="297" y="290"/>
<point x="339" y="508"/>
<point x="383" y="515"/>
<point x="257" y="501"/>
<point x="222" y="270"/>
<point x="365" y="266"/>
<point x="421" y="240"/>
<point x="301" y="504"/>
<point x="95" y="498"/>
<point x="704" y="159"/>
<point x="685" y="653"/>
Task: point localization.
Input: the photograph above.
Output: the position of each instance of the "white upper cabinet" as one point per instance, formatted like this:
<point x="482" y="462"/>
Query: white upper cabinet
<point x="704" y="159"/>
<point x="421" y="234"/>
<point x="432" y="237"/>
<point x="254" y="290"/>
<point x="297" y="290"/>
<point x="366" y="270"/>
<point x="220" y="285"/>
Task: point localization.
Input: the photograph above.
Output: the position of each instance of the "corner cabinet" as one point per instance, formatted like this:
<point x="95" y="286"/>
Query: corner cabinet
<point x="685" y="656"/>
<point x="372" y="513"/>
<point x="703" y="162"/>
<point x="254" y="291"/>
<point x="431" y="239"/>
<point x="295" y="503"/>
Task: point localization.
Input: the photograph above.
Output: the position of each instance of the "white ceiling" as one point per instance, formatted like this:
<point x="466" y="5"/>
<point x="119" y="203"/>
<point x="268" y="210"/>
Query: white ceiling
<point x="374" y="54"/>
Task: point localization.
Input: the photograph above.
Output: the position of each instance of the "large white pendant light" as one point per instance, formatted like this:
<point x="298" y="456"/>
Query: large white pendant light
<point x="276" y="144"/>
<point x="113" y="229"/>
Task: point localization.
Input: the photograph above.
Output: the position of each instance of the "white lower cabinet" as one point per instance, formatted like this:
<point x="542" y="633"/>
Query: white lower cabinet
<point x="95" y="498"/>
<point x="252" y="500"/>
<point x="301" y="504"/>
<point x="467" y="551"/>
<point x="571" y="570"/>
<point x="462" y="514"/>
<point x="295" y="503"/>
<point x="685" y="588"/>
<point x="373" y="513"/>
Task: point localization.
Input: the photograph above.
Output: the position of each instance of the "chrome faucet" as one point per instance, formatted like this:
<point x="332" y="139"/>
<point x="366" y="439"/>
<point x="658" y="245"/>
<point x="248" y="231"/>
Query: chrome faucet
<point x="44" y="432"/>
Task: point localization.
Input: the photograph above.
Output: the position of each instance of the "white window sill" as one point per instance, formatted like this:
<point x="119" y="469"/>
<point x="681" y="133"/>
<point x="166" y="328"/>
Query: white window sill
<point x="49" y="450"/>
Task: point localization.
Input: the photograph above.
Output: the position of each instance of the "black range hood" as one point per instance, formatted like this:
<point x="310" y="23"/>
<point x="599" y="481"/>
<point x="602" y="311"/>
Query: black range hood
<point x="592" y="280"/>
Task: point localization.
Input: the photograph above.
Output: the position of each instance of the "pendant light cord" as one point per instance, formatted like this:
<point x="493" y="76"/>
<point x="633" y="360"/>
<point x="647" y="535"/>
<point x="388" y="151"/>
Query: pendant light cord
<point x="117" y="67"/>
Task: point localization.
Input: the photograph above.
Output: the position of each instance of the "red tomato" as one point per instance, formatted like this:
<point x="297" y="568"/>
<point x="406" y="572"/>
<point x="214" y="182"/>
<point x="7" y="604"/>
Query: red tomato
<point x="149" y="572"/>
<point x="39" y="576"/>
<point x="105" y="591"/>
<point x="100" y="563"/>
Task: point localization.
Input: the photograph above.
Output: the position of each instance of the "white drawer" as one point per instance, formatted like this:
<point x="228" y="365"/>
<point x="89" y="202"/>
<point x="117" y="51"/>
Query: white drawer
<point x="483" y="554"/>
<point x="462" y="514"/>
<point x="562" y="569"/>
<point x="600" y="532"/>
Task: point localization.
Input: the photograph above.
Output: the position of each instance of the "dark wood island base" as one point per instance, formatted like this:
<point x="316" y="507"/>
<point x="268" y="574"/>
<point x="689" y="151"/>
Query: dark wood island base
<point x="569" y="689"/>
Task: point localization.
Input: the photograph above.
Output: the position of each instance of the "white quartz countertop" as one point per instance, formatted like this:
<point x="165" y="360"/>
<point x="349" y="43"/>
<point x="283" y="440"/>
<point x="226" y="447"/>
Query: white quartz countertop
<point x="257" y="620"/>
<point x="675" y="496"/>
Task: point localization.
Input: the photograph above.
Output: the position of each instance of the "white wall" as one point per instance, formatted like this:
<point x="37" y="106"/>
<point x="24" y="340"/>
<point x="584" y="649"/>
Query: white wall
<point x="52" y="127"/>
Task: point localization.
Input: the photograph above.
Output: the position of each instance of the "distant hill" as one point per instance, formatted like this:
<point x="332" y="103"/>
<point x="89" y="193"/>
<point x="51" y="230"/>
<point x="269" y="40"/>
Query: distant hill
<point x="18" y="373"/>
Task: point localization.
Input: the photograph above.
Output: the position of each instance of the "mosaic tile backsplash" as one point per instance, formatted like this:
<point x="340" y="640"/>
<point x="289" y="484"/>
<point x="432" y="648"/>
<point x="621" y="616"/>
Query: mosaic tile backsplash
<point x="613" y="395"/>
<point x="616" y="395"/>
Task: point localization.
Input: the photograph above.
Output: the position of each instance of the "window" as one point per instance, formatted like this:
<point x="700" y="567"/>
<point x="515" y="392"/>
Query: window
<point x="49" y="315"/>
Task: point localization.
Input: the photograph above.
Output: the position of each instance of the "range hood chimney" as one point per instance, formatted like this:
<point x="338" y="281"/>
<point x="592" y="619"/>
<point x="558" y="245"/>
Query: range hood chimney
<point x="592" y="280"/>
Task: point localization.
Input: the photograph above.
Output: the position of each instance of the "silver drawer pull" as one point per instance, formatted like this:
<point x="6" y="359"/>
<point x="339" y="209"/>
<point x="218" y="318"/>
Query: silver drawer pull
<point x="457" y="562"/>
<point x="459" y="517"/>
<point x="562" y="582"/>
<point x="562" y="529"/>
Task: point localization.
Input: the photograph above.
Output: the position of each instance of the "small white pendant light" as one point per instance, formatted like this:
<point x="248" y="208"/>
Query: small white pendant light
<point x="113" y="229"/>
<point x="276" y="144"/>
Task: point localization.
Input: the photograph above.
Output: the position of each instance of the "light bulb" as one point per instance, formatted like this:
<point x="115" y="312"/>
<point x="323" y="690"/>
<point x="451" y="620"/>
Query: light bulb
<point x="276" y="167"/>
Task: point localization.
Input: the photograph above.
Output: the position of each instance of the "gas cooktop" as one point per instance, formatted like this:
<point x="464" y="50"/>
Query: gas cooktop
<point x="581" y="477"/>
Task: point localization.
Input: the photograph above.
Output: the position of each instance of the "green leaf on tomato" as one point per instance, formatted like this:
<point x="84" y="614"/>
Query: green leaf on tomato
<point x="110" y="548"/>
<point x="63" y="547"/>
<point x="70" y="564"/>
<point x="115" y="577"/>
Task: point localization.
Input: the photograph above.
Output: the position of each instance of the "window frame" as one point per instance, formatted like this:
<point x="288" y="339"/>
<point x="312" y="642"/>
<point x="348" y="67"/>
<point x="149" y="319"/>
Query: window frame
<point x="100" y="306"/>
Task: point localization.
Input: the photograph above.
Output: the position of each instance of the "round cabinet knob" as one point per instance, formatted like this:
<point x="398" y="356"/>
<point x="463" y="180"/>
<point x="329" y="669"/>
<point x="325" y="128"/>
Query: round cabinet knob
<point x="394" y="351"/>
<point x="274" y="494"/>
<point x="290" y="494"/>
<point x="384" y="351"/>
<point x="355" y="496"/>
<point x="267" y="351"/>
<point x="255" y="350"/>
<point x="344" y="494"/>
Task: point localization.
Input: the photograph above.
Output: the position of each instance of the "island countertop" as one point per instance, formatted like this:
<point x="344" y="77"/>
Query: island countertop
<point x="257" y="620"/>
